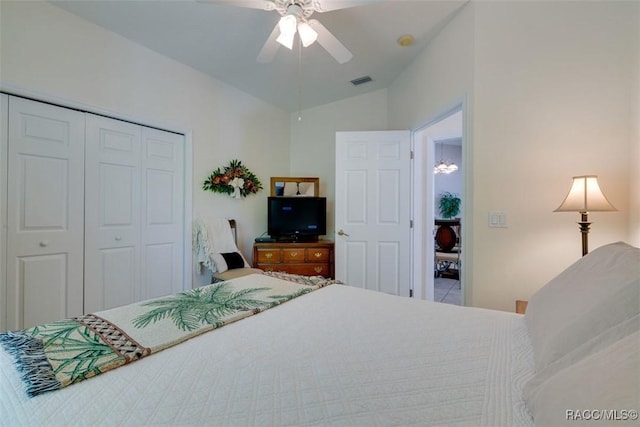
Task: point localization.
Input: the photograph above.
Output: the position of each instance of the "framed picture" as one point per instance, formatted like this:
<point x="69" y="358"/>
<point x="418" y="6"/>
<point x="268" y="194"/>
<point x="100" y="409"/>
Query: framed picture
<point x="294" y="186"/>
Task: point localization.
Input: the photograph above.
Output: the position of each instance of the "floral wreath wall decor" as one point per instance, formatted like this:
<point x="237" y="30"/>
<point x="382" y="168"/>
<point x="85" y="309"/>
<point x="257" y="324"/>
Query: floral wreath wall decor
<point x="235" y="180"/>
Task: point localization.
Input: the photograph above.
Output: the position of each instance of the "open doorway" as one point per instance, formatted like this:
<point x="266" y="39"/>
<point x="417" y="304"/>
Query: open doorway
<point x="437" y="232"/>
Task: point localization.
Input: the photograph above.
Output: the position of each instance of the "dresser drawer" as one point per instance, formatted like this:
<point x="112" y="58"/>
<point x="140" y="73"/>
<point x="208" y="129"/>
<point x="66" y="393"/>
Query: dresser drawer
<point x="269" y="256"/>
<point x="317" y="255"/>
<point x="293" y="255"/>
<point x="304" y="258"/>
<point x="307" y="269"/>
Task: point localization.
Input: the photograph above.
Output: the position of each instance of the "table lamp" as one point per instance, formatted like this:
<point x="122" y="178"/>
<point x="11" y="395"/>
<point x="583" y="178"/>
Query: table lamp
<point x="585" y="196"/>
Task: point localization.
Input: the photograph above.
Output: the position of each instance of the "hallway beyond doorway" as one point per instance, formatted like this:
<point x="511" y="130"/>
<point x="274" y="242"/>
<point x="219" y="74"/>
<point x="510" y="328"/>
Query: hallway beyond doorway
<point x="447" y="291"/>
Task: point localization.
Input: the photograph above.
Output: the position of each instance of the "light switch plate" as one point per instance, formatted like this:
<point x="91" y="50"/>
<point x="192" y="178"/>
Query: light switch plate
<point x="497" y="220"/>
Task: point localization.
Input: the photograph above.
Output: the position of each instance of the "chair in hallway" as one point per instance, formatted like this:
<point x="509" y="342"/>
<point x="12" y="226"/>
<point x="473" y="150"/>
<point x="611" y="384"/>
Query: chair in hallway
<point x="447" y="248"/>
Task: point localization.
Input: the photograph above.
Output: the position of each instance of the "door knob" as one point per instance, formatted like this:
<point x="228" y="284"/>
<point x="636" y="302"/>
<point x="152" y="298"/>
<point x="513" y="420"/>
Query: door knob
<point x="342" y="233"/>
<point x="44" y="244"/>
<point x="118" y="238"/>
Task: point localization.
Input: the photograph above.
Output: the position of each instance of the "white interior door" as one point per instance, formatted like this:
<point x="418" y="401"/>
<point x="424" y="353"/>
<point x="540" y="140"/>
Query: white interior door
<point x="112" y="213"/>
<point x="45" y="214"/>
<point x="162" y="212"/>
<point x="372" y="211"/>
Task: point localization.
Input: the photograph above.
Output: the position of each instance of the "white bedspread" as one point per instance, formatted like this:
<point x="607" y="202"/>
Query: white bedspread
<point x="337" y="356"/>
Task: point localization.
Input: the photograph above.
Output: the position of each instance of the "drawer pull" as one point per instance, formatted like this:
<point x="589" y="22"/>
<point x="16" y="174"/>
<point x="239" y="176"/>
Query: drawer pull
<point x="318" y="269"/>
<point x="268" y="255"/>
<point x="294" y="254"/>
<point x="318" y="254"/>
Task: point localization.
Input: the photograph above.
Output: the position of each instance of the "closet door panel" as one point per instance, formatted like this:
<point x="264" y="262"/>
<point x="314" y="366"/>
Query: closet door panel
<point x="45" y="213"/>
<point x="4" y="130"/>
<point x="112" y="213"/>
<point x="162" y="212"/>
<point x="117" y="287"/>
<point x="39" y="300"/>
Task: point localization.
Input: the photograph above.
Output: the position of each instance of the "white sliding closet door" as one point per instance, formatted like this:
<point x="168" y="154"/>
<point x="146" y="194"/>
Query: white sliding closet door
<point x="134" y="213"/>
<point x="112" y="213"/>
<point x="162" y="212"/>
<point x="45" y="199"/>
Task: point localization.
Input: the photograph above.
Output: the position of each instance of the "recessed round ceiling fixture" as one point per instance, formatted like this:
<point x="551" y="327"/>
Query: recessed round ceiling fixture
<point x="406" y="40"/>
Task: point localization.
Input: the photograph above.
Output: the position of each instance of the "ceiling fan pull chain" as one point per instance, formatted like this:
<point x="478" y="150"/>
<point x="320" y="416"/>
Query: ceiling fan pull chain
<point x="299" y="79"/>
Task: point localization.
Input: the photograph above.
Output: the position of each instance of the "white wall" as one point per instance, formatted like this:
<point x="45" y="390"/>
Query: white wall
<point x="49" y="51"/>
<point x="552" y="92"/>
<point x="634" y="158"/>
<point x="551" y="100"/>
<point x="440" y="79"/>
<point x="313" y="138"/>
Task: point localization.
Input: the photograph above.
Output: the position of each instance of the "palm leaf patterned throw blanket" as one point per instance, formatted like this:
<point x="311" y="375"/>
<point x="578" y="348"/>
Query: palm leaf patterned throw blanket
<point x="55" y="355"/>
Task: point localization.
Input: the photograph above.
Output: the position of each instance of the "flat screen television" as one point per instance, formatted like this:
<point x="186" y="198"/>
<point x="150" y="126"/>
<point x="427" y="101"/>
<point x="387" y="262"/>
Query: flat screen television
<point x="296" y="218"/>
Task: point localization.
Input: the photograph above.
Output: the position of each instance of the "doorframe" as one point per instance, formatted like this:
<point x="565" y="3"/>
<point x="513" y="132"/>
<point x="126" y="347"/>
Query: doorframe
<point x="187" y="274"/>
<point x="423" y="201"/>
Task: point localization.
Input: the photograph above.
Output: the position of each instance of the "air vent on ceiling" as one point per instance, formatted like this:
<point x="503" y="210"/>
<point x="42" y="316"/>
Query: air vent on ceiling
<point x="361" y="80"/>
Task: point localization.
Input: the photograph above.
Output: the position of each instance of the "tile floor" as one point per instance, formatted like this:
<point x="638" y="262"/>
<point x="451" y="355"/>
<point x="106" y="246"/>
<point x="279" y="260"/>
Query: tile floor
<point x="447" y="291"/>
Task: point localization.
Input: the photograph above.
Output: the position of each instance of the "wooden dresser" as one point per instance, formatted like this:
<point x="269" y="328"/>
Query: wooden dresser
<point x="305" y="258"/>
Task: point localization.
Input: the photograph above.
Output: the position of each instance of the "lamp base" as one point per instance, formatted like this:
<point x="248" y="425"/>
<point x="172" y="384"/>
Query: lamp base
<point x="584" y="230"/>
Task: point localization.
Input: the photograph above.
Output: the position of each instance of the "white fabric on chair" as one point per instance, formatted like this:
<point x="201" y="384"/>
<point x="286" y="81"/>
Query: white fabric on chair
<point x="212" y="235"/>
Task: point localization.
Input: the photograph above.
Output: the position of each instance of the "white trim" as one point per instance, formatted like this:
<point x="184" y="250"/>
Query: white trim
<point x="422" y="247"/>
<point x="466" y="277"/>
<point x="93" y="109"/>
<point x="187" y="282"/>
<point x="88" y="108"/>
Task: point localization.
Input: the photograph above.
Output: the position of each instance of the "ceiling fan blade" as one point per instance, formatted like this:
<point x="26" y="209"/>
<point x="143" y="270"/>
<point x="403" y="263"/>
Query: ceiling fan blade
<point x="330" y="43"/>
<point x="252" y="4"/>
<point x="270" y="48"/>
<point x="329" y="5"/>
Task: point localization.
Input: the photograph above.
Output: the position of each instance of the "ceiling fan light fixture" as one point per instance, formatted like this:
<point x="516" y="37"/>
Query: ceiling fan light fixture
<point x="286" y="40"/>
<point x="307" y="34"/>
<point x="287" y="26"/>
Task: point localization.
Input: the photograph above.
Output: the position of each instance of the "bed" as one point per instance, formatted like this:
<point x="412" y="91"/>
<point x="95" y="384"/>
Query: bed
<point x="346" y="356"/>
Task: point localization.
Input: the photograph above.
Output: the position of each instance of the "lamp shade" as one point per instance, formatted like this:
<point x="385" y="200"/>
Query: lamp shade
<point x="585" y="196"/>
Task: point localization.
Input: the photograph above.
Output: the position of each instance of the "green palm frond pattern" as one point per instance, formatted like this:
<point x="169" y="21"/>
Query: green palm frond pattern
<point x="74" y="351"/>
<point x="279" y="299"/>
<point x="208" y="305"/>
<point x="57" y="354"/>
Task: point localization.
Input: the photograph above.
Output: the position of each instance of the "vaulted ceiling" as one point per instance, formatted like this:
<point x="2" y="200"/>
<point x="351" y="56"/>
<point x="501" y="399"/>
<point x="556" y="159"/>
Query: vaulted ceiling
<point x="223" y="41"/>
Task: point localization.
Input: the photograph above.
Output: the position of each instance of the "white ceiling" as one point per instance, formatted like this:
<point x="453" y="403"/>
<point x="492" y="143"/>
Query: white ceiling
<point x="224" y="41"/>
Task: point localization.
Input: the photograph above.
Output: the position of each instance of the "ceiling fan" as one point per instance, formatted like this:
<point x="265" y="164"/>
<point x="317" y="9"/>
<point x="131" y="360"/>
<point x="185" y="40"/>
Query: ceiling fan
<point x="295" y="19"/>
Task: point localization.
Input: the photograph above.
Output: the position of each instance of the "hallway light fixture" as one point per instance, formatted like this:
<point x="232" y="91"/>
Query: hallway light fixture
<point x="584" y="196"/>
<point x="443" y="167"/>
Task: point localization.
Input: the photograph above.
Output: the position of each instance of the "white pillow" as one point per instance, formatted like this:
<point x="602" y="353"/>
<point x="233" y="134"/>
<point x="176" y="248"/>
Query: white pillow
<point x="592" y="346"/>
<point x="229" y="261"/>
<point x="597" y="292"/>
<point x="599" y="390"/>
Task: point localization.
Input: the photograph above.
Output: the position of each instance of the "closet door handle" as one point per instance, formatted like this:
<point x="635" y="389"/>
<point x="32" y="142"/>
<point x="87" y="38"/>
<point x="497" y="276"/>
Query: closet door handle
<point x="118" y="238"/>
<point x="44" y="243"/>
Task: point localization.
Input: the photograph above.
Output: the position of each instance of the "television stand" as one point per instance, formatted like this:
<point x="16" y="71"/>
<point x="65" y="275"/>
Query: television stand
<point x="304" y="258"/>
